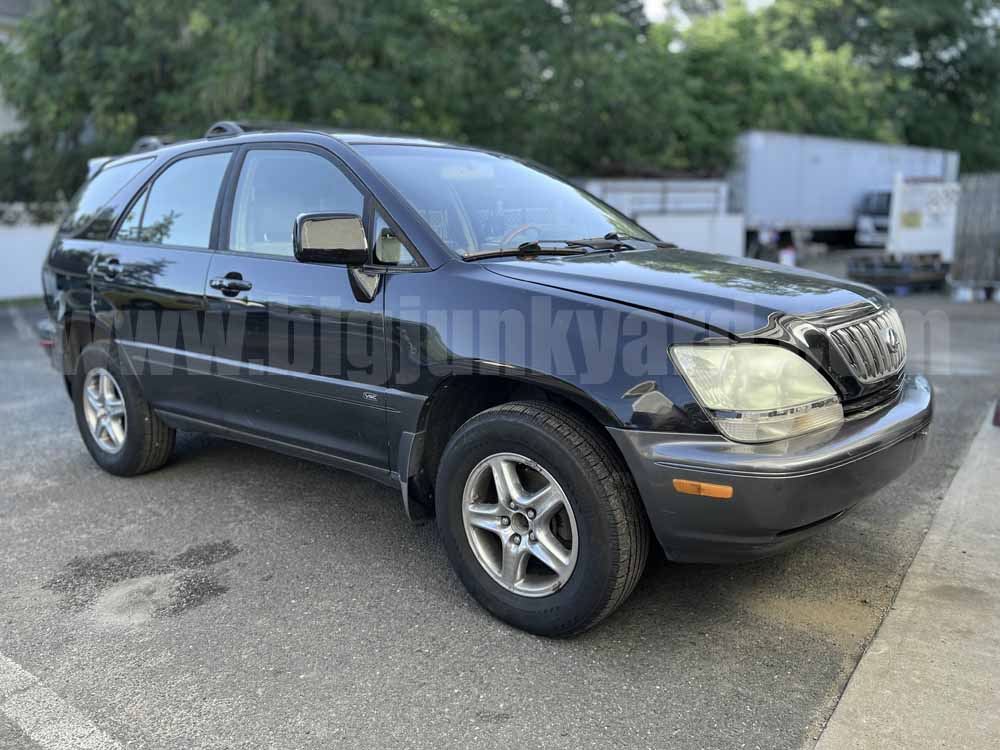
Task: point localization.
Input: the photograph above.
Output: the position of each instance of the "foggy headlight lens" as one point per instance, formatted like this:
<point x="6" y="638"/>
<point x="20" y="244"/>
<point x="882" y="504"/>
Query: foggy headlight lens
<point x="756" y="393"/>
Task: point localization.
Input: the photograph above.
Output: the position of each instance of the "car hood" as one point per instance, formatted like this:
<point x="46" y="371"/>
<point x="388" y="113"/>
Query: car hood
<point x="735" y="295"/>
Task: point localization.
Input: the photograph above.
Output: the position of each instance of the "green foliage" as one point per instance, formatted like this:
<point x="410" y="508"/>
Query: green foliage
<point x="940" y="60"/>
<point x="742" y="80"/>
<point x="586" y="86"/>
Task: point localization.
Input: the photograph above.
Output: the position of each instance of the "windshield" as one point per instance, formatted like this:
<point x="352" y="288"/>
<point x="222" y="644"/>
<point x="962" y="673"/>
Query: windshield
<point x="477" y="202"/>
<point x="877" y="204"/>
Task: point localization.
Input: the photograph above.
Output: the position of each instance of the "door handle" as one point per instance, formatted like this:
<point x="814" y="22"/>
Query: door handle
<point x="230" y="286"/>
<point x="108" y="267"/>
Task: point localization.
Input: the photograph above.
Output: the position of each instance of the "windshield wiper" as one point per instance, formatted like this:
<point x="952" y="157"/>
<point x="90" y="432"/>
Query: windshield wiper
<point x="527" y="249"/>
<point x="611" y="242"/>
<point x="622" y="237"/>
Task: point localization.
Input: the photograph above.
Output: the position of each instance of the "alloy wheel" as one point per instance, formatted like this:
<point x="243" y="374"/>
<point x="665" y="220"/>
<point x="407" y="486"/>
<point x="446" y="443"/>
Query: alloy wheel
<point x="104" y="410"/>
<point x="520" y="525"/>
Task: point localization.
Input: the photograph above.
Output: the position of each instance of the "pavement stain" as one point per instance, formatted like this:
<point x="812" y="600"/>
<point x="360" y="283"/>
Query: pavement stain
<point x="846" y="623"/>
<point x="133" y="586"/>
<point x="961" y="594"/>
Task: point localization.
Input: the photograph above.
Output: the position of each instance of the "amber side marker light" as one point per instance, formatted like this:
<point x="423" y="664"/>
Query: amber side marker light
<point x="689" y="487"/>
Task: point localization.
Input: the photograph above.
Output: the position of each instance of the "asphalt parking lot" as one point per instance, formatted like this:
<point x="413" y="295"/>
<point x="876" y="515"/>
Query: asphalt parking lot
<point x="238" y="598"/>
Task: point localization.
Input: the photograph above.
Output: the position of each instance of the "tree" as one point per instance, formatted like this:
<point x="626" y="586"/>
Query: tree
<point x="83" y="75"/>
<point x="90" y="76"/>
<point x="940" y="58"/>
<point x="586" y="86"/>
<point x="739" y="79"/>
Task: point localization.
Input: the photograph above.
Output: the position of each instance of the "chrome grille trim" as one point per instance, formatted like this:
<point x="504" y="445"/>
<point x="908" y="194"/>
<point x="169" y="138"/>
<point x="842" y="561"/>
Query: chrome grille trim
<point x="874" y="347"/>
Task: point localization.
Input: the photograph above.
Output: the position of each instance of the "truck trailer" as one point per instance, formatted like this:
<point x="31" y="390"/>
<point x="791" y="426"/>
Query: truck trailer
<point x="786" y="183"/>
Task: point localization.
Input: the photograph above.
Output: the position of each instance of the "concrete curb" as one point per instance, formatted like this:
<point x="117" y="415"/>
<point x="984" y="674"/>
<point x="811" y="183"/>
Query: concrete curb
<point x="931" y="676"/>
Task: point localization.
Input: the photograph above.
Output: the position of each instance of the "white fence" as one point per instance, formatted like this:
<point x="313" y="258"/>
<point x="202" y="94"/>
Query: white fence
<point x="635" y="197"/>
<point x="710" y="234"/>
<point x="22" y="251"/>
<point x="689" y="213"/>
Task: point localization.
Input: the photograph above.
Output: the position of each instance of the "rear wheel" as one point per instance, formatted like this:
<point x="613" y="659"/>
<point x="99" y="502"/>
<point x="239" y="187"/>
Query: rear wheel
<point x="540" y="518"/>
<point x="119" y="428"/>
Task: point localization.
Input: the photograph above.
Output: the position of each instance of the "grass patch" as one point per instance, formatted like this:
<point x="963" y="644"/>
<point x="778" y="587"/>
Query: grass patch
<point x="21" y="302"/>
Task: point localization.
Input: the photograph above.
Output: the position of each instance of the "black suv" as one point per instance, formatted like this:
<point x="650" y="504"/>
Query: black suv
<point x="521" y="361"/>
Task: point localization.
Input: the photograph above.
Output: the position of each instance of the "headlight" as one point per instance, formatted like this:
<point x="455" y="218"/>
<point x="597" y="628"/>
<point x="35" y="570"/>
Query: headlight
<point x="758" y="392"/>
<point x="866" y="224"/>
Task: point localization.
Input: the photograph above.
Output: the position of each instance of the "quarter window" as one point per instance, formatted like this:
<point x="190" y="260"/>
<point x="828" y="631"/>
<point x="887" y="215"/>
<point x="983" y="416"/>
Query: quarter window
<point x="277" y="185"/>
<point x="90" y="206"/>
<point x="178" y="208"/>
<point x="131" y="227"/>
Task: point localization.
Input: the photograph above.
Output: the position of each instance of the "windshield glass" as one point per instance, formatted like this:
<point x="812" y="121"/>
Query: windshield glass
<point x="476" y="201"/>
<point x="877" y="204"/>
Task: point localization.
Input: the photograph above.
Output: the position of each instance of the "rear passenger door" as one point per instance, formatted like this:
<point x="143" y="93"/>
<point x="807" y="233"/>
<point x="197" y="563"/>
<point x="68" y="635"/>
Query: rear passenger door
<point x="149" y="280"/>
<point x="304" y="358"/>
<point x="80" y="243"/>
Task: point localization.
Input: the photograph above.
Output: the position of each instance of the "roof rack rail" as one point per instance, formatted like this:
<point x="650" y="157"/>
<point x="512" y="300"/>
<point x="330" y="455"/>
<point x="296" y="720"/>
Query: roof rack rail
<point x="224" y="129"/>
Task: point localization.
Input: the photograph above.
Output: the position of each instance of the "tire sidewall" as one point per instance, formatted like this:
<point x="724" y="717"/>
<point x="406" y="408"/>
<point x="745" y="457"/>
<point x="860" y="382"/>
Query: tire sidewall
<point x="129" y="457"/>
<point x="589" y="587"/>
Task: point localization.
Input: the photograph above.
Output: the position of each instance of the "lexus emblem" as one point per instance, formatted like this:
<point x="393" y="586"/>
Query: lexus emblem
<point x="891" y="339"/>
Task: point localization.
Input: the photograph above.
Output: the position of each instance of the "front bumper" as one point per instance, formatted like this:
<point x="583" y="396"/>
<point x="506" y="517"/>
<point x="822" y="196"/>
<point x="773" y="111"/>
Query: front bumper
<point x="783" y="491"/>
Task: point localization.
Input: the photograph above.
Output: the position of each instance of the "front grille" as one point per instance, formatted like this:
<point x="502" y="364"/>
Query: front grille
<point x="874" y="347"/>
<point x="885" y="396"/>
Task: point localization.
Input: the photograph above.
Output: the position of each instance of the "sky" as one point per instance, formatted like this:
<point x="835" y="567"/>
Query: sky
<point x="657" y="11"/>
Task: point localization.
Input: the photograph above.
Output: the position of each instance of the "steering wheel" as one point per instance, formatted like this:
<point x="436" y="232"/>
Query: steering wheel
<point x="509" y="237"/>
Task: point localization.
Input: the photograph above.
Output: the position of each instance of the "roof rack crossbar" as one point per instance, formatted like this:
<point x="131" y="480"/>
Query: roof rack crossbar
<point x="150" y="143"/>
<point x="224" y="129"/>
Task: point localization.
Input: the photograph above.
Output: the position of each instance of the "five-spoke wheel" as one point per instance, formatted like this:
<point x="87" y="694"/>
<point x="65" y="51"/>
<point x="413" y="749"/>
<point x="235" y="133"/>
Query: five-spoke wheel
<point x="520" y="524"/>
<point x="540" y="517"/>
<point x="121" y="430"/>
<point x="104" y="409"/>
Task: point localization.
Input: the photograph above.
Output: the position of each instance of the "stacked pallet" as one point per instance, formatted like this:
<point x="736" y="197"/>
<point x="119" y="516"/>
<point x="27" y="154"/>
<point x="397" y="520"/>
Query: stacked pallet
<point x="899" y="275"/>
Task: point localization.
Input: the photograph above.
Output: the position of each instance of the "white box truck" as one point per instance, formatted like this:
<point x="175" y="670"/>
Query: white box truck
<point x="786" y="183"/>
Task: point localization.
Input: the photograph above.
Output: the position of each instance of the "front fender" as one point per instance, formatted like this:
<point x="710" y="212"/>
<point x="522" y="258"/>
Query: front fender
<point x="607" y="356"/>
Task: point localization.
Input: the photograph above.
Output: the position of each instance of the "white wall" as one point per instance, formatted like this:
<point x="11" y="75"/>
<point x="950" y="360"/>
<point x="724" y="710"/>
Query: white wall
<point x="643" y="196"/>
<point x="22" y="251"/>
<point x="706" y="232"/>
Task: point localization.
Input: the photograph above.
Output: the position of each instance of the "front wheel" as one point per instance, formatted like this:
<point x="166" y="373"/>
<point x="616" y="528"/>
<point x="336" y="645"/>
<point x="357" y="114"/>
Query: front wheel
<point x="540" y="518"/>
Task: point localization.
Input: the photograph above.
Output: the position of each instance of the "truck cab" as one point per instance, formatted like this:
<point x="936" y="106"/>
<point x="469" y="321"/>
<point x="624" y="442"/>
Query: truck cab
<point x="872" y="225"/>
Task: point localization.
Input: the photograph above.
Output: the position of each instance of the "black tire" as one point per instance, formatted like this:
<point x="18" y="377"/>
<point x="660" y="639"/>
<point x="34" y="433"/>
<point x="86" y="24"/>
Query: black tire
<point x="148" y="441"/>
<point x="612" y="529"/>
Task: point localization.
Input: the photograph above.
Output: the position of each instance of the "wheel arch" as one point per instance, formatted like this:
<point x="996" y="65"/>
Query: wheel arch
<point x="458" y="398"/>
<point x="78" y="329"/>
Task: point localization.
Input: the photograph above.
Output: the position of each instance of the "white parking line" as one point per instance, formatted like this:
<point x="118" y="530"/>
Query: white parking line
<point x="45" y="717"/>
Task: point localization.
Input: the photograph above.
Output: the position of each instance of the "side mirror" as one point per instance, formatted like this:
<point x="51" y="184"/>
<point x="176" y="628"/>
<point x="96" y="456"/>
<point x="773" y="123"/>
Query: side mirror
<point x="330" y="238"/>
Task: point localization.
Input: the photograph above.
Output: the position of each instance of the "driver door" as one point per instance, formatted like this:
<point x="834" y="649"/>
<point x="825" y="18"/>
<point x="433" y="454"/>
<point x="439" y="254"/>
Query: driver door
<point x="300" y="357"/>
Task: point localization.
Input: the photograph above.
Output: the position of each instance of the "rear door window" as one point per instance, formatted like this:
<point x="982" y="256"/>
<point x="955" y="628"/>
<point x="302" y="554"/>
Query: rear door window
<point x="89" y="209"/>
<point x="178" y="208"/>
